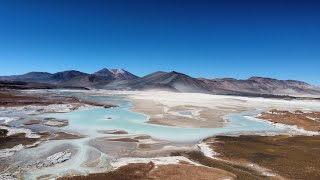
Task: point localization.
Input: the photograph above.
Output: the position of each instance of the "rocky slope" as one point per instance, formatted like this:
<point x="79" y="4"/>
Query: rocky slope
<point x="65" y="76"/>
<point x="43" y="77"/>
<point x="20" y="85"/>
<point x="174" y="81"/>
<point x="87" y="81"/>
<point x="100" y="78"/>
<point x="260" y="85"/>
<point x="28" y="77"/>
<point x="120" y="79"/>
<point x="116" y="74"/>
<point x="73" y="78"/>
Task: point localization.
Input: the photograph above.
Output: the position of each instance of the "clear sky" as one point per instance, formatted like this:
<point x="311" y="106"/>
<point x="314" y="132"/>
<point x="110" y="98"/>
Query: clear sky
<point x="202" y="38"/>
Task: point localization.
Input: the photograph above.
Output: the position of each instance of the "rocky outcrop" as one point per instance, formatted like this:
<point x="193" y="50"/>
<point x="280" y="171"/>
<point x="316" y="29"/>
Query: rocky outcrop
<point x="52" y="122"/>
<point x="52" y="160"/>
<point x="9" y="176"/>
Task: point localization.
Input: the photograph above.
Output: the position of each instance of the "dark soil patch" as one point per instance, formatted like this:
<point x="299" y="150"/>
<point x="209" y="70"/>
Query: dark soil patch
<point x="294" y="157"/>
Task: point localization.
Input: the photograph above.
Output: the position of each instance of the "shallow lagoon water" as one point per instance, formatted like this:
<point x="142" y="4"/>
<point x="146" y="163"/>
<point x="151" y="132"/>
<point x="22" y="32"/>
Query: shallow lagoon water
<point x="90" y="121"/>
<point x="186" y="113"/>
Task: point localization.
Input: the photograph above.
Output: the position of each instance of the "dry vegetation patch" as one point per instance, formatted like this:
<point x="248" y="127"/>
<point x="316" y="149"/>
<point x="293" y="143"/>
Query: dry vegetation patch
<point x="143" y="171"/>
<point x="294" y="157"/>
<point x="307" y="120"/>
<point x="241" y="172"/>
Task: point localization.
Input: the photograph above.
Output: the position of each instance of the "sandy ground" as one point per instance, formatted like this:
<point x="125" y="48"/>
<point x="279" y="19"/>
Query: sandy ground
<point x="309" y="121"/>
<point x="166" y="108"/>
<point x="146" y="171"/>
<point x="191" y="116"/>
<point x="294" y="157"/>
<point x="195" y="110"/>
<point x="178" y="172"/>
<point x="138" y="146"/>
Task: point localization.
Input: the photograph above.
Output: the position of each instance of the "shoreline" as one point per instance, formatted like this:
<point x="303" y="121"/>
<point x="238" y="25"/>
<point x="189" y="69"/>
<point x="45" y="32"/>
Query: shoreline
<point x="132" y="148"/>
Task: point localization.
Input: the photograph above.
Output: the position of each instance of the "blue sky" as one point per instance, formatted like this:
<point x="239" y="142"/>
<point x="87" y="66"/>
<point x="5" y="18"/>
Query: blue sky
<point x="202" y="38"/>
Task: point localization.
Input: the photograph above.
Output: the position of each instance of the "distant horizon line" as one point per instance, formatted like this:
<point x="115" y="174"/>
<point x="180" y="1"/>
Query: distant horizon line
<point x="212" y="78"/>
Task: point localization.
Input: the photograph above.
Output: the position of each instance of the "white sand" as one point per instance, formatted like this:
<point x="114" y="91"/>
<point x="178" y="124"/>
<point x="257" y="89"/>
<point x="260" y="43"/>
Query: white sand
<point x="28" y="133"/>
<point x="219" y="101"/>
<point x="10" y="151"/>
<point x="53" y="108"/>
<point x="165" y="104"/>
<point x="9" y="119"/>
<point x="294" y="130"/>
<point x="313" y="119"/>
<point x="54" y="123"/>
<point x="157" y="161"/>
<point x="206" y="150"/>
<point x="7" y="176"/>
<point x="264" y="171"/>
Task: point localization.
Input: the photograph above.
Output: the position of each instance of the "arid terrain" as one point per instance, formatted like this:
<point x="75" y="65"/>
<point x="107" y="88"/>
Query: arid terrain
<point x="159" y="90"/>
<point x="307" y="120"/>
<point x="148" y="171"/>
<point x="238" y="154"/>
<point x="180" y="116"/>
<point x="19" y="98"/>
<point x="292" y="157"/>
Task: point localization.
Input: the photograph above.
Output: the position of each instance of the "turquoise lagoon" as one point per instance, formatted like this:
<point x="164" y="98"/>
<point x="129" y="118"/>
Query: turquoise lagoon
<point x="90" y="121"/>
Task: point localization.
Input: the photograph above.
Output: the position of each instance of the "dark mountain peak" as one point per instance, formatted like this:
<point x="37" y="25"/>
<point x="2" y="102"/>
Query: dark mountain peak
<point x="115" y="73"/>
<point x="123" y="74"/>
<point x="257" y="78"/>
<point x="104" y="69"/>
<point x="28" y="77"/>
<point x="168" y="80"/>
<point x="224" y="79"/>
<point x="177" y="73"/>
<point x="159" y="72"/>
<point x="34" y="74"/>
<point x="37" y="73"/>
<point x="201" y="78"/>
<point x="65" y="76"/>
<point x="71" y="73"/>
<point x="289" y="82"/>
<point x="67" y="71"/>
<point x="118" y="70"/>
<point x="86" y="81"/>
<point x="104" y="73"/>
<point x="155" y="74"/>
<point x="298" y="82"/>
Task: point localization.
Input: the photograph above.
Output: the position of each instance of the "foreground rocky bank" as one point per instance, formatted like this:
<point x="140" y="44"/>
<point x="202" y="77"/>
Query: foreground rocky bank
<point x="19" y="132"/>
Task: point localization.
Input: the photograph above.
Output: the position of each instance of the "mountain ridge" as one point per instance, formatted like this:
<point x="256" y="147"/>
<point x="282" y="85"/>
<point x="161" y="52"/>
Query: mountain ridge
<point x="120" y="79"/>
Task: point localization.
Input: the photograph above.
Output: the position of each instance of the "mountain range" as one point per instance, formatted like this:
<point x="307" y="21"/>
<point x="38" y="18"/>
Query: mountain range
<point x="120" y="79"/>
